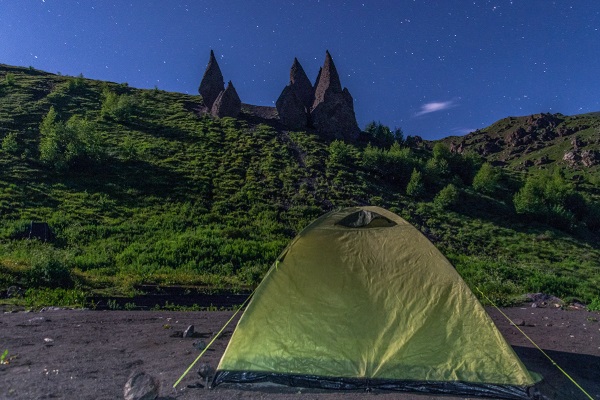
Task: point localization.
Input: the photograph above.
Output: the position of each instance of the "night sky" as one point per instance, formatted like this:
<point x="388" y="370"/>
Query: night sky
<point x="432" y="68"/>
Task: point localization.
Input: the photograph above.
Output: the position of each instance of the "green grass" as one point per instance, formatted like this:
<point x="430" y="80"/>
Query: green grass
<point x="173" y="198"/>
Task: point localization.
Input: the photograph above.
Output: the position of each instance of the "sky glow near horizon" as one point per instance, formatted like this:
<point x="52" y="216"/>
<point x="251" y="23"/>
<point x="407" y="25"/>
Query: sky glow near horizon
<point x="432" y="68"/>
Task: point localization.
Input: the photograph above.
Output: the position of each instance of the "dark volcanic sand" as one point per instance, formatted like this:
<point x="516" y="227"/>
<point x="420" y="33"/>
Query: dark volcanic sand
<point x="91" y="354"/>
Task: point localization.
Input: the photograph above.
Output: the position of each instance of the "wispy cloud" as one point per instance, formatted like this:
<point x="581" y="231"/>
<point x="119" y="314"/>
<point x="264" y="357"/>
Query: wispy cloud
<point x="435" y="106"/>
<point x="463" y="131"/>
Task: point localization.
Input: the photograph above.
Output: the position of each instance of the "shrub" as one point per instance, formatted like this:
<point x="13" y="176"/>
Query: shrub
<point x="63" y="145"/>
<point x="487" y="179"/>
<point x="48" y="271"/>
<point x="447" y="197"/>
<point x="381" y="135"/>
<point x="9" y="143"/>
<point x="341" y="153"/>
<point x="594" y="305"/>
<point x="75" y="83"/>
<point x="59" y="297"/>
<point x="415" y="187"/>
<point x="547" y="197"/>
<point x="117" y="107"/>
<point x="9" y="78"/>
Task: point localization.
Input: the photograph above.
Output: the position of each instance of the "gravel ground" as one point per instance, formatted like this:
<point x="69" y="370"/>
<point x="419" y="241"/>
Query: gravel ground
<point x="80" y="354"/>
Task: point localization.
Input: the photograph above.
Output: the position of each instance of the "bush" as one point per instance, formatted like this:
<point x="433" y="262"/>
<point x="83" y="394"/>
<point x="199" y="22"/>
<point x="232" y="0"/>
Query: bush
<point x="48" y="271"/>
<point x="447" y="197"/>
<point x="9" y="78"/>
<point x="594" y="305"/>
<point x="117" y="107"/>
<point x="341" y="154"/>
<point x="38" y="298"/>
<point x="415" y="187"/>
<point x="63" y="145"/>
<point x="9" y="143"/>
<point x="549" y="198"/>
<point x="381" y="135"/>
<point x="487" y="179"/>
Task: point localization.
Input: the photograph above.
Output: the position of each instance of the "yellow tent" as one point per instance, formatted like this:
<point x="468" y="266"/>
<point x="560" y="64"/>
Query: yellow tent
<point x="361" y="299"/>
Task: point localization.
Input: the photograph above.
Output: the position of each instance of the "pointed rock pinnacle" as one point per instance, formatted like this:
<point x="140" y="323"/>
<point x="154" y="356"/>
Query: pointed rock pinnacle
<point x="328" y="80"/>
<point x="332" y="112"/>
<point x="301" y="84"/>
<point x="228" y="104"/>
<point x="212" y="82"/>
<point x="292" y="113"/>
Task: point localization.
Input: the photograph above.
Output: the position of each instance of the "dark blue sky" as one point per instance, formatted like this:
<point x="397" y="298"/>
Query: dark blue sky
<point x="433" y="68"/>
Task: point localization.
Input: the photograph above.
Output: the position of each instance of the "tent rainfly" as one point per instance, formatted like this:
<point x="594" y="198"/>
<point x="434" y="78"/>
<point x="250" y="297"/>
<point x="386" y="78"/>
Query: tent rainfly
<point x="361" y="299"/>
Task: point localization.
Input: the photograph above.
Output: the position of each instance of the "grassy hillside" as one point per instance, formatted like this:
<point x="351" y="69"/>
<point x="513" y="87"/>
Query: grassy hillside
<point x="140" y="188"/>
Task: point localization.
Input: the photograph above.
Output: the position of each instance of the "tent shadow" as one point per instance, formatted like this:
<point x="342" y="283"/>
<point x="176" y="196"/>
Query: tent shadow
<point x="583" y="369"/>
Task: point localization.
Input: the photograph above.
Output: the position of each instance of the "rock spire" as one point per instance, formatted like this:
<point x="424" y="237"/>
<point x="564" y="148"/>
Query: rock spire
<point x="332" y="111"/>
<point x="326" y="107"/>
<point x="219" y="102"/>
<point x="300" y="84"/>
<point x="228" y="104"/>
<point x="292" y="112"/>
<point x="212" y="82"/>
<point x="328" y="80"/>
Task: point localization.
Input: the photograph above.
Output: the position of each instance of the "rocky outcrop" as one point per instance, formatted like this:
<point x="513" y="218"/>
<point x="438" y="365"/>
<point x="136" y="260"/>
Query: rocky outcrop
<point x="301" y="85"/>
<point x="589" y="158"/>
<point x="332" y="111"/>
<point x="220" y="103"/>
<point x="227" y="104"/>
<point x="328" y="108"/>
<point x="294" y="103"/>
<point x="212" y="83"/>
<point x="292" y="112"/>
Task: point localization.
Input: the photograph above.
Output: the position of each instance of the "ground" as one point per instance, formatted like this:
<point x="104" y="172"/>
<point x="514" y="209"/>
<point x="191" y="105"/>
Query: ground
<point x="82" y="354"/>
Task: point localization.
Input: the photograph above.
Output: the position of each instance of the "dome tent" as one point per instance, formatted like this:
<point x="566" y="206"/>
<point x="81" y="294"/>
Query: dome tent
<point x="361" y="299"/>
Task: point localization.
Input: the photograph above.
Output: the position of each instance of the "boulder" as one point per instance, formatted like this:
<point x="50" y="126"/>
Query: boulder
<point x="227" y="104"/>
<point x="332" y="111"/>
<point x="589" y="158"/>
<point x="212" y="83"/>
<point x="301" y="85"/>
<point x="571" y="158"/>
<point x="291" y="110"/>
<point x="141" y="386"/>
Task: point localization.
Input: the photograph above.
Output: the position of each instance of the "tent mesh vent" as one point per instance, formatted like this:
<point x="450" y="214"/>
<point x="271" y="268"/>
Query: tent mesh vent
<point x="365" y="219"/>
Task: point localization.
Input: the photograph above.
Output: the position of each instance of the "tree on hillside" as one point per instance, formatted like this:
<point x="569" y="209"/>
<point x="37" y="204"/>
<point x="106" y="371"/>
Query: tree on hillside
<point x="115" y="106"/>
<point x="381" y="135"/>
<point x="550" y="198"/>
<point x="63" y="145"/>
<point x="487" y="179"/>
<point x="447" y="197"/>
<point x="416" y="186"/>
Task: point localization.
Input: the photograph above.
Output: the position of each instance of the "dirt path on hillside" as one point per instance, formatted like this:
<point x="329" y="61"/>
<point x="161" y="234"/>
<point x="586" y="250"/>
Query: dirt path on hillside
<point x="75" y="354"/>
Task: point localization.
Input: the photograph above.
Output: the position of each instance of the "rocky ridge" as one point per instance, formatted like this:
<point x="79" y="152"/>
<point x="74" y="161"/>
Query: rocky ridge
<point x="536" y="140"/>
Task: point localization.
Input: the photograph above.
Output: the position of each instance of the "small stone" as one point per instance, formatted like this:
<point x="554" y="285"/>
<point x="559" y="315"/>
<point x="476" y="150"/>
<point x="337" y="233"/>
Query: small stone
<point x="141" y="386"/>
<point x="205" y="370"/>
<point x="200" y="345"/>
<point x="14" y="291"/>
<point x="189" y="332"/>
<point x="518" y="322"/>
